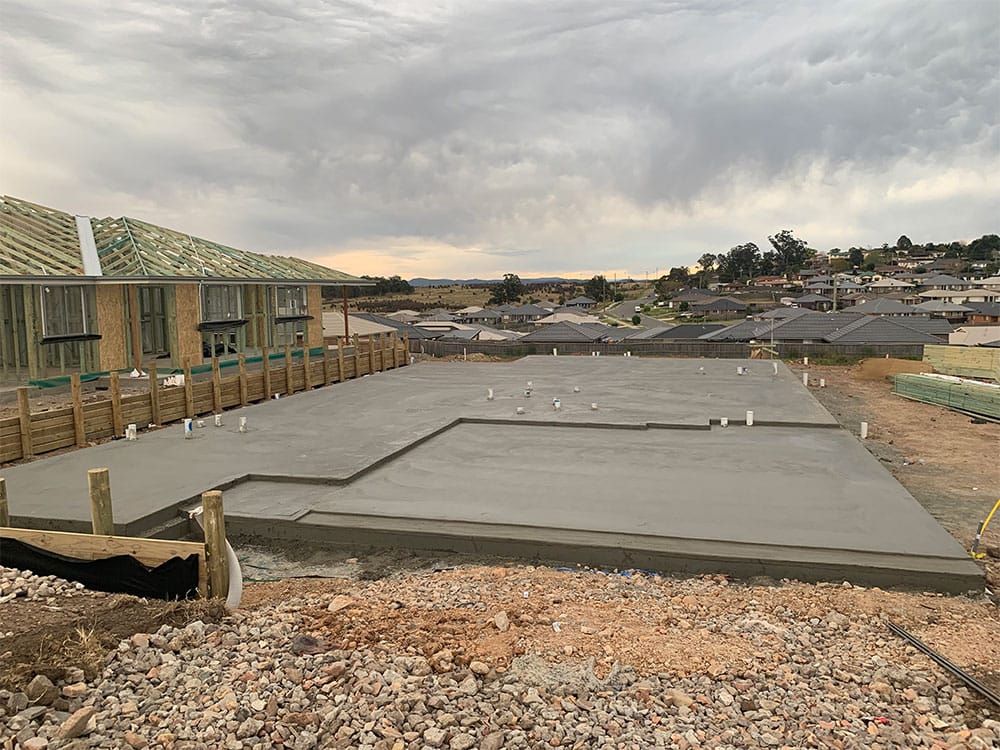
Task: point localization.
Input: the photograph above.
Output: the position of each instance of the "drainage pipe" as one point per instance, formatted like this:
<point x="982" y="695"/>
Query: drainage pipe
<point x="235" y="593"/>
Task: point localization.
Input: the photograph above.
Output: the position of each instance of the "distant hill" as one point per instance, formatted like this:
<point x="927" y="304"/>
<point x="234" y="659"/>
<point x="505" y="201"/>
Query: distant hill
<point x="470" y="282"/>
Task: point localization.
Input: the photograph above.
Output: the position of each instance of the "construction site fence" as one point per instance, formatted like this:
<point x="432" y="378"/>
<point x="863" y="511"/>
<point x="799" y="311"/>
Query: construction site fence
<point x="32" y="433"/>
<point x="664" y="348"/>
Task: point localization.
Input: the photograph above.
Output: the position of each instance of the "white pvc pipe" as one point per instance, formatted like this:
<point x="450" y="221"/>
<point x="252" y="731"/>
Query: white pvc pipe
<point x="864" y="430"/>
<point x="489" y="394"/>
<point x="188" y="428"/>
<point x="243" y="424"/>
<point x="724" y="422"/>
<point x="555" y="352"/>
<point x="805" y="379"/>
<point x="822" y="382"/>
<point x="806" y="361"/>
<point x="749" y="418"/>
<point x="235" y="593"/>
<point x="218" y="420"/>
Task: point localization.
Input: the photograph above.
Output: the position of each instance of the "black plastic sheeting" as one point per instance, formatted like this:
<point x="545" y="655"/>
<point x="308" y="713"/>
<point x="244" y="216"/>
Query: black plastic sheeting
<point x="177" y="578"/>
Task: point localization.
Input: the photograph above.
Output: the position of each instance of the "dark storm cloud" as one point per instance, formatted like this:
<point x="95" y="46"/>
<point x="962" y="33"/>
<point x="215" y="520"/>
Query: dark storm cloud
<point x="312" y="123"/>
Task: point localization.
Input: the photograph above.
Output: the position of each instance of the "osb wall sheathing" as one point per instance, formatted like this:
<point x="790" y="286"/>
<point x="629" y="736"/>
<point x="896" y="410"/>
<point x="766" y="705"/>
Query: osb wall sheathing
<point x="314" y="306"/>
<point x="112" y="324"/>
<point x="187" y="307"/>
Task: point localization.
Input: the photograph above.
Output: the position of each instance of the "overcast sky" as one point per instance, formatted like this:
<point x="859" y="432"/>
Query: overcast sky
<point x="477" y="138"/>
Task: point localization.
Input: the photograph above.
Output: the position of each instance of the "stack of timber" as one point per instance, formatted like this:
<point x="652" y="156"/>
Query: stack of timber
<point x="966" y="396"/>
<point x="964" y="361"/>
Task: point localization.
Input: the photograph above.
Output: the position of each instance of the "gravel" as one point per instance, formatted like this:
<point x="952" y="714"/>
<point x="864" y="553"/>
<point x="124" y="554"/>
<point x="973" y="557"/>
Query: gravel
<point x="282" y="674"/>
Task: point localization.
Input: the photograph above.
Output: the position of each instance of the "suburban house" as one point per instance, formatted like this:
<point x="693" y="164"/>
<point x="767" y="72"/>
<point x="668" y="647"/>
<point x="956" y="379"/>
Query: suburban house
<point x="983" y="313"/>
<point x="93" y="295"/>
<point x="585" y="302"/>
<point x="883" y="306"/>
<point x="889" y="284"/>
<point x="813" y="301"/>
<point x="720" y="307"/>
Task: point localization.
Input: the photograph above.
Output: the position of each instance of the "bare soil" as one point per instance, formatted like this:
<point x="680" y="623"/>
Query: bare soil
<point x="51" y="636"/>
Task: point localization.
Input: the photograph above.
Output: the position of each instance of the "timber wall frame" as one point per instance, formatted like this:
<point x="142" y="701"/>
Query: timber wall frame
<point x="34" y="433"/>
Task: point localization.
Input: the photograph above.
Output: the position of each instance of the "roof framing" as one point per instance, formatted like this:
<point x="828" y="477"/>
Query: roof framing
<point x="40" y="242"/>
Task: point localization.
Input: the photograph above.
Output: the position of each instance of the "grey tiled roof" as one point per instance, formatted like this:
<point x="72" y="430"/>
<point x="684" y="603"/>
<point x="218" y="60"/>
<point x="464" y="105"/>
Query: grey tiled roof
<point x="984" y="308"/>
<point x="689" y="331"/>
<point x="566" y="332"/>
<point x="878" y="330"/>
<point x="722" y="303"/>
<point x="882" y="306"/>
<point x="813" y="326"/>
<point x="926" y="324"/>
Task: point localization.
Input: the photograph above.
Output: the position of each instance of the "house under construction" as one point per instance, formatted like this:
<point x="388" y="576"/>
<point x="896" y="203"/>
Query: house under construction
<point x="90" y="295"/>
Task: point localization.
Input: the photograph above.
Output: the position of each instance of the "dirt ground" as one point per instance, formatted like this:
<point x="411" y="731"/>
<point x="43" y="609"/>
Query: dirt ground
<point x="50" y="636"/>
<point x="950" y="464"/>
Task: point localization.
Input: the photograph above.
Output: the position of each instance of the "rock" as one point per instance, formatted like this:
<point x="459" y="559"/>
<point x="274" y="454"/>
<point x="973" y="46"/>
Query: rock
<point x="35" y="743"/>
<point x="76" y="690"/>
<point x="339" y="602"/>
<point x="492" y="741"/>
<point x="249" y="728"/>
<point x="76" y="724"/>
<point x="136" y="741"/>
<point x="479" y="667"/>
<point x="462" y="742"/>
<point x="469" y="686"/>
<point x="140" y="640"/>
<point x="434" y="737"/>
<point x="678" y="697"/>
<point x="41" y="690"/>
<point x="306" y="644"/>
<point x="502" y="621"/>
<point x="17" y="702"/>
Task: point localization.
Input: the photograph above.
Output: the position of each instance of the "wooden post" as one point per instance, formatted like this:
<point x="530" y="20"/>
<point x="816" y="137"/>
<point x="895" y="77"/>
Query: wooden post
<point x="288" y="370"/>
<point x="78" y="426"/>
<point x="154" y="393"/>
<point x="4" y="510"/>
<point x="371" y="354"/>
<point x="215" y="545"/>
<point x="406" y="348"/>
<point x="384" y="340"/>
<point x="188" y="390"/>
<point x="244" y="399"/>
<point x="99" y="482"/>
<point x="306" y="375"/>
<point x="117" y="425"/>
<point x="341" y="343"/>
<point x="216" y="387"/>
<point x="266" y="363"/>
<point x="357" y="357"/>
<point x="326" y="363"/>
<point x="24" y="415"/>
<point x="394" y="337"/>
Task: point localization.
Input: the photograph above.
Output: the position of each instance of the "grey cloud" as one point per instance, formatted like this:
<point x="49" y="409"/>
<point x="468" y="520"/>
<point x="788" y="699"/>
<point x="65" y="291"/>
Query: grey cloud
<point x="314" y="122"/>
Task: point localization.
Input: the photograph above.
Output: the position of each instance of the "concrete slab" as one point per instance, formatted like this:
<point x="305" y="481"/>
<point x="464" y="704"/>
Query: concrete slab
<point x="421" y="453"/>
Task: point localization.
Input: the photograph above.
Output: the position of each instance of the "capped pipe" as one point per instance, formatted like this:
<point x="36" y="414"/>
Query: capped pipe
<point x="188" y="428"/>
<point x="243" y="424"/>
<point x="724" y="422"/>
<point x="749" y="418"/>
<point x="864" y="430"/>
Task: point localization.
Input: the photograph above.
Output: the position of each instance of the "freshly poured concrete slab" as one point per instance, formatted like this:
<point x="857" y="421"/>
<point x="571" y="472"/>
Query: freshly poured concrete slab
<point x="337" y="431"/>
<point x="419" y="456"/>
<point x="770" y="500"/>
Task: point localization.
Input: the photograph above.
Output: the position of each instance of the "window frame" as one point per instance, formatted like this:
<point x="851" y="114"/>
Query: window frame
<point x="47" y="333"/>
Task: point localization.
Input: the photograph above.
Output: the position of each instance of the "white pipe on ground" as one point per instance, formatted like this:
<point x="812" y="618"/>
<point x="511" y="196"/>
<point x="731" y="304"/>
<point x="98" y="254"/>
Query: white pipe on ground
<point x="749" y="418"/>
<point x="864" y="430"/>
